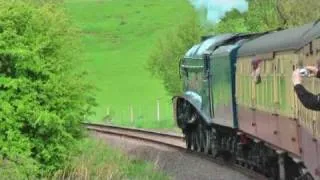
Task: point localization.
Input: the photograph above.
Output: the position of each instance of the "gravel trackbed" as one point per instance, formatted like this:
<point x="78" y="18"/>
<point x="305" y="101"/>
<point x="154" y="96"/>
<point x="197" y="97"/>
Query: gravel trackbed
<point x="178" y="165"/>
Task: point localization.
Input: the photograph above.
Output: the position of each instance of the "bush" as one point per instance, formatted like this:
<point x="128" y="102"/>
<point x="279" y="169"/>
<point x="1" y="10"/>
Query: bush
<point x="164" y="59"/>
<point x="43" y="99"/>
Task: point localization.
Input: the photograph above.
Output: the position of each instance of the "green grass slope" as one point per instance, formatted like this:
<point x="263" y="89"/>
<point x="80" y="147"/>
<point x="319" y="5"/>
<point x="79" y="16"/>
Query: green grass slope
<point x="118" y="36"/>
<point x="96" y="160"/>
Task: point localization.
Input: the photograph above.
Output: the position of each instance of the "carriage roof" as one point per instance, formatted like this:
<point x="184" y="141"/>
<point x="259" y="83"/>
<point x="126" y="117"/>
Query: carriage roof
<point x="289" y="39"/>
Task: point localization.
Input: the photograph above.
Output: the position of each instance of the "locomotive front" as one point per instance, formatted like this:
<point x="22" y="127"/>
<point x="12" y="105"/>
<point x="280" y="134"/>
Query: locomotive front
<point x="196" y="102"/>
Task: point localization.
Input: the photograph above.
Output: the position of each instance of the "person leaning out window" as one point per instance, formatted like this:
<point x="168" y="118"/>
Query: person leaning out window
<point x="308" y="99"/>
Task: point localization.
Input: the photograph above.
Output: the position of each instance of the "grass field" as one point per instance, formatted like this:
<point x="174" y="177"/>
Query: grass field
<point x="95" y="160"/>
<point x="118" y="36"/>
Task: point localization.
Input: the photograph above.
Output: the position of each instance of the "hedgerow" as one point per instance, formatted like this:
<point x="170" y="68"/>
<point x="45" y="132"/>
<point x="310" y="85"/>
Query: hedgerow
<point x="43" y="97"/>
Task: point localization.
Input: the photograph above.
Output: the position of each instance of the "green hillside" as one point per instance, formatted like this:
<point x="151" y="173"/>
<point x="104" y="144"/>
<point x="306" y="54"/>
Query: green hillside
<point x="118" y="36"/>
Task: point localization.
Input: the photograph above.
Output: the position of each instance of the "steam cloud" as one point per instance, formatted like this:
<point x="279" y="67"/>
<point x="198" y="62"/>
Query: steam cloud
<point x="217" y="8"/>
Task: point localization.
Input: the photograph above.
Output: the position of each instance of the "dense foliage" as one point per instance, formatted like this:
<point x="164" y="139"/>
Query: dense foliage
<point x="297" y="12"/>
<point x="164" y="59"/>
<point x="43" y="100"/>
<point x="262" y="15"/>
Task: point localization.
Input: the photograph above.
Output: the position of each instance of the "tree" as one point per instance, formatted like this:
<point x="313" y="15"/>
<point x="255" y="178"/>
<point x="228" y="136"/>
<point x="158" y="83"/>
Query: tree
<point x="262" y="16"/>
<point x="164" y="59"/>
<point x="232" y="21"/>
<point x="43" y="98"/>
<point x="265" y="15"/>
<point x="297" y="12"/>
<point x="272" y="14"/>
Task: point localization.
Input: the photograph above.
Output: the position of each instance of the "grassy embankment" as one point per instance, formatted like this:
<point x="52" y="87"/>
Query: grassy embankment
<point x="118" y="36"/>
<point x="97" y="161"/>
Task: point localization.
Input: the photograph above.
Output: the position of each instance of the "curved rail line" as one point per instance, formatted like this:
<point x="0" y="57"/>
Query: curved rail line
<point x="166" y="139"/>
<point x="171" y="140"/>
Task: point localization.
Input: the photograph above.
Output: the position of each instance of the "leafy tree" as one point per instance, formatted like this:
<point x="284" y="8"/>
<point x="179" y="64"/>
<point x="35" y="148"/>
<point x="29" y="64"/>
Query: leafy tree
<point x="262" y="15"/>
<point x="233" y="21"/>
<point x="43" y="99"/>
<point x="297" y="12"/>
<point x="164" y="59"/>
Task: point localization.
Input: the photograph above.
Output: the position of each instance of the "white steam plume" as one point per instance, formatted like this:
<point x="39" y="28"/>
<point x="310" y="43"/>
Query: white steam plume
<point x="215" y="9"/>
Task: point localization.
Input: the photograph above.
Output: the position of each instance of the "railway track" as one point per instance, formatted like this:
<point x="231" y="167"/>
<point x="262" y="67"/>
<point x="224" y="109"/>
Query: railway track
<point x="169" y="140"/>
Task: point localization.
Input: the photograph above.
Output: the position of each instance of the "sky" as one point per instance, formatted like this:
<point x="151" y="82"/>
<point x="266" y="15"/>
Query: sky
<point x="217" y="8"/>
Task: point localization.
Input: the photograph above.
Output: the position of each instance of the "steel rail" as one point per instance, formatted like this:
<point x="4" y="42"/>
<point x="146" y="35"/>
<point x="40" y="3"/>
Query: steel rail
<point x="140" y="134"/>
<point x="169" y="140"/>
<point x="176" y="136"/>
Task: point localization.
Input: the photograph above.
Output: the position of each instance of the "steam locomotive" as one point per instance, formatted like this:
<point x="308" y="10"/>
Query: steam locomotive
<point x="239" y="103"/>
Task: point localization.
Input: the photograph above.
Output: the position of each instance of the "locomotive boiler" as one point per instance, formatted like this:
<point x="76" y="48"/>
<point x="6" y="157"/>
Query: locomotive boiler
<point x="239" y="103"/>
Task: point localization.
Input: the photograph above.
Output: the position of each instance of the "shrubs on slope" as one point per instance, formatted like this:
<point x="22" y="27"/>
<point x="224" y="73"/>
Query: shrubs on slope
<point x="164" y="59"/>
<point x="42" y="98"/>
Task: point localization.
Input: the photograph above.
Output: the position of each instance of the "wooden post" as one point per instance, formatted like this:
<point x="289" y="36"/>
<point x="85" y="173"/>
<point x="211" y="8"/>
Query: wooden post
<point x="122" y="115"/>
<point x="131" y="114"/>
<point x="108" y="111"/>
<point x="158" y="109"/>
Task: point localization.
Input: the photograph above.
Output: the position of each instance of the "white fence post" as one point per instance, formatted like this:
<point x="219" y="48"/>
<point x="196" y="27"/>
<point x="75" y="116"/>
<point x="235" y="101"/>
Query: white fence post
<point x="131" y="114"/>
<point x="108" y="111"/>
<point x="158" y="109"/>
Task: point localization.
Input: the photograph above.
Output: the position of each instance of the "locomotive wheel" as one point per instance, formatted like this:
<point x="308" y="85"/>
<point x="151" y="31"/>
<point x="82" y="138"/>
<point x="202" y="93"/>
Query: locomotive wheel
<point x="213" y="147"/>
<point x="188" y="138"/>
<point x="308" y="177"/>
<point x="195" y="140"/>
<point x="273" y="173"/>
<point x="201" y="138"/>
<point x="208" y="141"/>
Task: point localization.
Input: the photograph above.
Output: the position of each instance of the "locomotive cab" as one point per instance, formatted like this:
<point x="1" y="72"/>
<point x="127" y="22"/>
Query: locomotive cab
<point x="207" y="73"/>
<point x="196" y="74"/>
<point x="195" y="81"/>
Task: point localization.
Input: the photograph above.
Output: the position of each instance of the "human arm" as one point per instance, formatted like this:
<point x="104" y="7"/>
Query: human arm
<point x="309" y="100"/>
